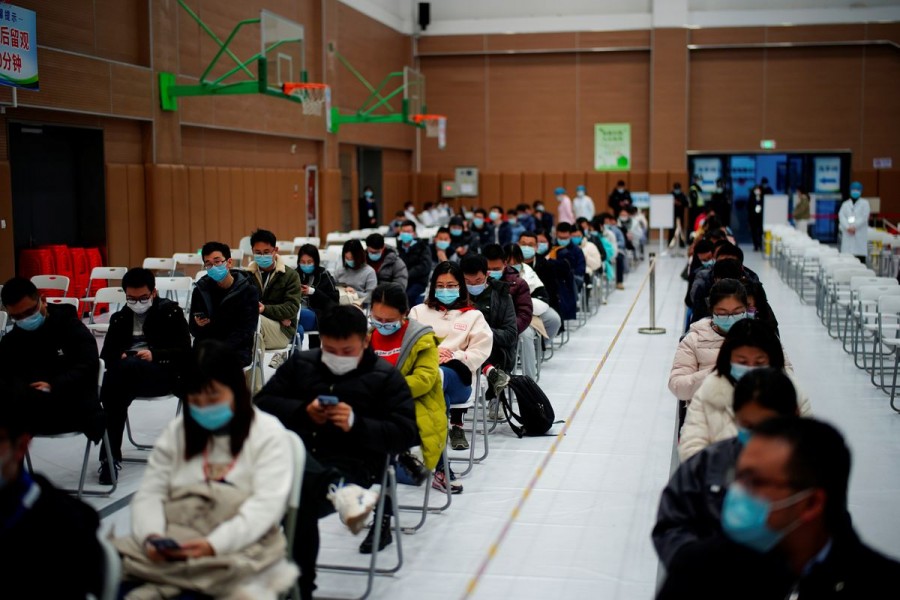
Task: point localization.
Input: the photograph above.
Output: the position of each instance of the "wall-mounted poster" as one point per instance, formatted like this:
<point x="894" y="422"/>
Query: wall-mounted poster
<point x="828" y="174"/>
<point x="612" y="147"/>
<point x="18" y="47"/>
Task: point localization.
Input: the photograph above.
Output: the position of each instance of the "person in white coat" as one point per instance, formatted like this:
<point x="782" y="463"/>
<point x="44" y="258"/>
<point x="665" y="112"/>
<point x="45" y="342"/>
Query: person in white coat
<point x="749" y="345"/>
<point x="583" y="204"/>
<point x="854" y="223"/>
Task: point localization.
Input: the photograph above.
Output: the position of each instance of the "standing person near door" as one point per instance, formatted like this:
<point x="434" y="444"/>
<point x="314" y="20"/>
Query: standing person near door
<point x="801" y="210"/>
<point x="755" y="213"/>
<point x="854" y="223"/>
<point x="368" y="208"/>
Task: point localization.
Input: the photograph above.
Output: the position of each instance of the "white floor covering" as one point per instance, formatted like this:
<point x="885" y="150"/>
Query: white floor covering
<point x="584" y="530"/>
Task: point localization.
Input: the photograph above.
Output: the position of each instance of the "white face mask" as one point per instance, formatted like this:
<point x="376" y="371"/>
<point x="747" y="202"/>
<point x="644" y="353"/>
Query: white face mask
<point x="139" y="308"/>
<point x="340" y="365"/>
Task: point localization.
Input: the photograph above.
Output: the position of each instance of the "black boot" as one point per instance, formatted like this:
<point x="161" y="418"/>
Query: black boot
<point x="386" y="537"/>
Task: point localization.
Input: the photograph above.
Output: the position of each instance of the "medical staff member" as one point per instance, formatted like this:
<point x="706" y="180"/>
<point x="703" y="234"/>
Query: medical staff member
<point x="854" y="223"/>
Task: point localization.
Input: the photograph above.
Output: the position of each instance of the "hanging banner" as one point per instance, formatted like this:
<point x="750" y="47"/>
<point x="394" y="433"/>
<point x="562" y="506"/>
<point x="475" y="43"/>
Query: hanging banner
<point x="828" y="174"/>
<point x="18" y="47"/>
<point x="612" y="147"/>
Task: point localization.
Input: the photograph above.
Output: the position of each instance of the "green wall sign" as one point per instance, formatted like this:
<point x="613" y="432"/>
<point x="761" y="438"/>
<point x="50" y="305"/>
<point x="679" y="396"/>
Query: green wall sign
<point x="612" y="147"/>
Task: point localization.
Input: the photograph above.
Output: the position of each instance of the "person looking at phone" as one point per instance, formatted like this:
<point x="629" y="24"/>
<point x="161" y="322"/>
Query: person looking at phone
<point x="144" y="350"/>
<point x="215" y="490"/>
<point x="346" y="441"/>
<point x="41" y="523"/>
<point x="319" y="291"/>
<point x="225" y="303"/>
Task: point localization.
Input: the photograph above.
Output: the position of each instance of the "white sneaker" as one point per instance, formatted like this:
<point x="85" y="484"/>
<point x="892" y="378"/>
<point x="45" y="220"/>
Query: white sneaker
<point x="354" y="504"/>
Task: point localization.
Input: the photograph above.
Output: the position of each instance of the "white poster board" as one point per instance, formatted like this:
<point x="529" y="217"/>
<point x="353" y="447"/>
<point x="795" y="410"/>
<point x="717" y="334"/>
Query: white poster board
<point x="662" y="211"/>
<point x="775" y="209"/>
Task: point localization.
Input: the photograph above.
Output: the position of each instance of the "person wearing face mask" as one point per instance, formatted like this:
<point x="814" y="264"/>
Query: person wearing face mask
<point x="319" y="291"/>
<point x="42" y="525"/>
<point x="355" y="278"/>
<point x="417" y="258"/>
<point x="409" y="213"/>
<point x="546" y="320"/>
<point x="613" y="233"/>
<point x="520" y="293"/>
<point x="387" y="264"/>
<point x="216" y="483"/>
<point x="720" y="202"/>
<point x="748" y="345"/>
<point x="853" y="220"/>
<point x="583" y="205"/>
<point x="787" y="529"/>
<point x="681" y="203"/>
<point x="225" y="303"/>
<point x="542" y="219"/>
<point x="368" y="208"/>
<point x="442" y="247"/>
<point x="690" y="508"/>
<point x="51" y="358"/>
<point x="755" y="205"/>
<point x="564" y="213"/>
<point x="482" y="228"/>
<point x="352" y="409"/>
<point x="466" y="342"/>
<point x="279" y="292"/>
<point x="145" y="351"/>
<point x="529" y="243"/>
<point x="413" y="348"/>
<point x="729" y="262"/>
<point x="525" y="218"/>
<point x="619" y="197"/>
<point x="569" y="252"/>
<point x="462" y="241"/>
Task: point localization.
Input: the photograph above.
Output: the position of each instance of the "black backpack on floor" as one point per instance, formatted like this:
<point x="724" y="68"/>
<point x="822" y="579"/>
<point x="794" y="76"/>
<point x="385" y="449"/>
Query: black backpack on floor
<point x="536" y="416"/>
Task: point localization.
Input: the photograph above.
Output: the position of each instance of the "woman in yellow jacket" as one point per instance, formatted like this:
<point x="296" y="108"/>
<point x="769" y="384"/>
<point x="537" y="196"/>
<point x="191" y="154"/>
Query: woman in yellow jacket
<point x="413" y="348"/>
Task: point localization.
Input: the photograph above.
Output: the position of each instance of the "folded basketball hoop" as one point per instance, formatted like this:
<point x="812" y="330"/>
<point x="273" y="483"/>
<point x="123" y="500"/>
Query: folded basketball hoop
<point x="313" y="96"/>
<point x="435" y="127"/>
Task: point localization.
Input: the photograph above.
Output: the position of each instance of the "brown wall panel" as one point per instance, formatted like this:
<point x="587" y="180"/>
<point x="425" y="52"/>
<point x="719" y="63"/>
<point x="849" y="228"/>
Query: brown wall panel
<point x="598" y="187"/>
<point x="668" y="98"/>
<point x="181" y="205"/>
<point x="552" y="180"/>
<point x="440" y="44"/>
<point x="609" y="39"/>
<point x="638" y="182"/>
<point x="489" y="188"/>
<point x="330" y="200"/>
<point x="426" y="187"/>
<point x="137" y="215"/>
<point x="817" y="33"/>
<point x="196" y="208"/>
<point x="238" y="215"/>
<point x="881" y="117"/>
<point x="869" y="179"/>
<point x="658" y="182"/>
<point x="117" y="244"/>
<point x="533" y="188"/>
<point x="224" y="202"/>
<point x="889" y="189"/>
<point x="7" y="244"/>
<point x="532" y="41"/>
<point x="727" y="35"/>
<point x="511" y="190"/>
<point x="213" y="209"/>
<point x="160" y="210"/>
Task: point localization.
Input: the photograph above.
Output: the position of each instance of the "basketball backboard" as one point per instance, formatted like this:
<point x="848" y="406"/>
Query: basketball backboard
<point x="281" y="43"/>
<point x="413" y="92"/>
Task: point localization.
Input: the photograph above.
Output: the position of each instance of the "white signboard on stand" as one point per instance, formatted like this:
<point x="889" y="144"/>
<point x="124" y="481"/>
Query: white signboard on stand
<point x="662" y="211"/>
<point x="775" y="209"/>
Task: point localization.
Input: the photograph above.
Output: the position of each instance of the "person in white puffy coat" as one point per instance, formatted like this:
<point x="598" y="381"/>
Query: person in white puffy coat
<point x="749" y="344"/>
<point x="853" y="220"/>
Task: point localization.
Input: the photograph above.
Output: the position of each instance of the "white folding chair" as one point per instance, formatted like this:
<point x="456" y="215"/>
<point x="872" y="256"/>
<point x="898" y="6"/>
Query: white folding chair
<point x="290" y="260"/>
<point x="128" y="423"/>
<point x="285" y="246"/>
<point x="74" y="302"/>
<point x="256" y="362"/>
<point x="478" y="405"/>
<point x="865" y="319"/>
<point x="108" y="274"/>
<point x="298" y="451"/>
<point x="160" y="265"/>
<point x="112" y="569"/>
<point x="238" y="255"/>
<point x="115" y="297"/>
<point x="80" y="492"/>
<point x="176" y="288"/>
<point x="425" y="508"/>
<point x="187" y="263"/>
<point x="51" y="282"/>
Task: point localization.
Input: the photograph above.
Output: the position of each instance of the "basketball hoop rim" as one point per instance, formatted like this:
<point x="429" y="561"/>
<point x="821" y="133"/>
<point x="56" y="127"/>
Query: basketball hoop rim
<point x="432" y="117"/>
<point x="290" y="87"/>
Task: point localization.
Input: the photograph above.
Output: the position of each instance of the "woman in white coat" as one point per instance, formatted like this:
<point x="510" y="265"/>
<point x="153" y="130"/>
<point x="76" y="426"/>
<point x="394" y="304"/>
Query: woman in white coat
<point x="710" y="417"/>
<point x="854" y="223"/>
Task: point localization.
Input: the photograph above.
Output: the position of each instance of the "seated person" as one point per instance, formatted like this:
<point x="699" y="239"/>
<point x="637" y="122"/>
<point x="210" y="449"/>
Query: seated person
<point x="354" y="276"/>
<point x="748" y="345"/>
<point x="279" y="292"/>
<point x="524" y="218"/>
<point x="41" y="523"/>
<point x="538" y="263"/>
<point x="564" y="250"/>
<point x="462" y="241"/>
<point x="466" y="340"/>
<point x="788" y="532"/>
<point x="705" y="278"/>
<point x="724" y="268"/>
<point x="616" y="238"/>
<point x="481" y="228"/>
<point x="560" y="272"/>
<point x="411" y="347"/>
<point x="550" y="321"/>
<point x="225" y="303"/>
<point x="516" y="228"/>
<point x="690" y="509"/>
<point x="758" y="306"/>
<point x="542" y="219"/>
<point x="318" y="289"/>
<point x="207" y="515"/>
<point x="593" y="260"/>
<point x="50" y="360"/>
<point x="416" y="255"/>
<point x="145" y="351"/>
<point x="352" y="409"/>
<point x="522" y="304"/>
<point x="384" y="260"/>
<point x="442" y="247"/>
<point x="409" y="213"/>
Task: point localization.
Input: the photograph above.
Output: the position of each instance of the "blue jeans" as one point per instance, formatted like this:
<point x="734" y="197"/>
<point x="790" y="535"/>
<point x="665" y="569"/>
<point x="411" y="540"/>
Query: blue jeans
<point x="307" y="322"/>
<point x="454" y="390"/>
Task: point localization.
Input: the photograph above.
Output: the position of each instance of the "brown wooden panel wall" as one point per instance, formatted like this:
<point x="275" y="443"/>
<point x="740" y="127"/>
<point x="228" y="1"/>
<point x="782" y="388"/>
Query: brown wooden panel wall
<point x="489" y="188"/>
<point x="533" y="187"/>
<point x="7" y="243"/>
<point x="511" y="190"/>
<point x="126" y="238"/>
<point x="889" y="190"/>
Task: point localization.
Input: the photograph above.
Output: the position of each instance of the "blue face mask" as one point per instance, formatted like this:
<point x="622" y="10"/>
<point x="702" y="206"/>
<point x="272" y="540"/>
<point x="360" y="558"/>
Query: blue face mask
<point x="456" y="232"/>
<point x="368" y="193"/>
<point x="543" y="247"/>
<point x="374" y="256"/>
<point x="708" y="264"/>
<point x="495" y="274"/>
<point x="476" y="290"/>
<point x="495" y="216"/>
<point x="442" y="245"/>
<point x="513" y="220"/>
<point x="576" y="239"/>
<point x="726" y="322"/>
<point x="212" y="417"/>
<point x="527" y="252"/>
<point x="564" y="243"/>
<point x="218" y="273"/>
<point x="388" y="328"/>
<point x="738" y="371"/>
<point x="264" y="261"/>
<point x="308" y="269"/>
<point x="405" y="237"/>
<point x="855" y="194"/>
<point x="350" y="263"/>
<point x="478" y="222"/>
<point x="31" y="323"/>
<point x="518" y="267"/>
<point x="743" y="435"/>
<point x="446" y="296"/>
<point x="745" y="516"/>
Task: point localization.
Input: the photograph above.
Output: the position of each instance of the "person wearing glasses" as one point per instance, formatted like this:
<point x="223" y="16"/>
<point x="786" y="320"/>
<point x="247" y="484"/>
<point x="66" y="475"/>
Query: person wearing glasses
<point x="225" y="303"/>
<point x="144" y="351"/>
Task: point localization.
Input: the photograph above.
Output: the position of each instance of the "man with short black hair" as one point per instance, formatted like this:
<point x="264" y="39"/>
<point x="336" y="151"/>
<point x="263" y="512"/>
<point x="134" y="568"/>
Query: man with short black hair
<point x="225" y="303"/>
<point x="619" y="198"/>
<point x="417" y="258"/>
<point x="522" y="304"/>
<point x="482" y="228"/>
<point x="279" y="291"/>
<point x="571" y="253"/>
<point x="787" y="531"/>
<point x="50" y="359"/>
<point x="144" y="350"/>
<point x="388" y="266"/>
<point x="352" y="409"/>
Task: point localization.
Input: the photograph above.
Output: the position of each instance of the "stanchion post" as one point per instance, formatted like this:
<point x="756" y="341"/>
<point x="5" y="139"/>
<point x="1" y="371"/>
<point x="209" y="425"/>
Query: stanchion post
<point x="652" y="329"/>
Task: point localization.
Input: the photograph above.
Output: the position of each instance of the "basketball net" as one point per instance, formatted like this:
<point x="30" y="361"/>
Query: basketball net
<point x="314" y="98"/>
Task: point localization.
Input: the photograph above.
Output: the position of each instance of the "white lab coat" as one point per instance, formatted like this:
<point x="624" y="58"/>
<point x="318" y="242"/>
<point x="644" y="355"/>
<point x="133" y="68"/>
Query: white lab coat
<point x="584" y="207"/>
<point x="857" y="216"/>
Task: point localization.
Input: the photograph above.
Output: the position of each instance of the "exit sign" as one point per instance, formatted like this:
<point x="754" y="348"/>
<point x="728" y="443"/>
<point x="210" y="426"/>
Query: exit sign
<point x="767" y="144"/>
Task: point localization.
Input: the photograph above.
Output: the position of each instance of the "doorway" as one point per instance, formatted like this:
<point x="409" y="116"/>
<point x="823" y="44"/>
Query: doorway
<point x="58" y="191"/>
<point x="369" y="167"/>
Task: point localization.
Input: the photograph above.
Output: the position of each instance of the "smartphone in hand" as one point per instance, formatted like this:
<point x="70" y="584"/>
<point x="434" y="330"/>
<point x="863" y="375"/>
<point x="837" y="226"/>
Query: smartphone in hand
<point x="164" y="544"/>
<point x="328" y="400"/>
<point x="130" y="353"/>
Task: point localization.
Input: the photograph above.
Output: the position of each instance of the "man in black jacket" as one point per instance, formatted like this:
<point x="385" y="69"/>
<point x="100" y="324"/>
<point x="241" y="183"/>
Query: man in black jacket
<point x="787" y="529"/>
<point x="41" y="526"/>
<point x="144" y="351"/>
<point x="352" y="409"/>
<point x="51" y="359"/>
<point x="417" y="257"/>
<point x="225" y="303"/>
